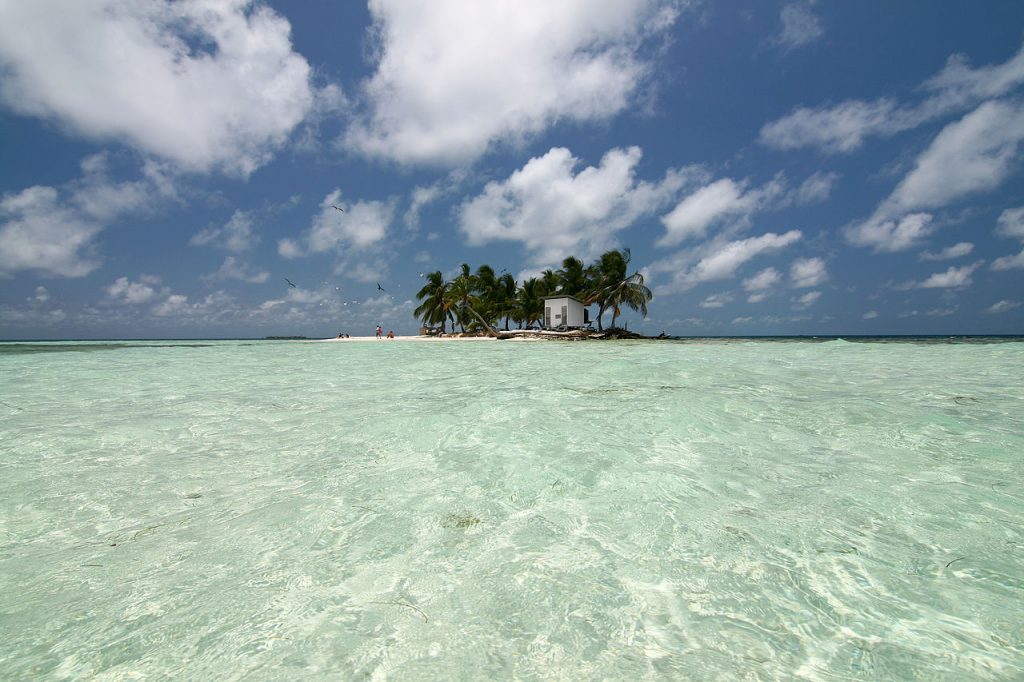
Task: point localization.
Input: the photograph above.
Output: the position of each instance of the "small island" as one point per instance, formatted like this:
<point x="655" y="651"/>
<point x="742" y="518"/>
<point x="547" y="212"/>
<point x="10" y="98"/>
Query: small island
<point x="554" y="305"/>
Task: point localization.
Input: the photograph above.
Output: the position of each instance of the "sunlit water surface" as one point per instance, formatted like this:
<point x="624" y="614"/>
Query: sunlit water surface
<point x="391" y="510"/>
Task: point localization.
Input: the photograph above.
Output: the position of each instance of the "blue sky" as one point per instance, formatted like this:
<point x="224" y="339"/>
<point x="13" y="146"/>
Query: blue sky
<point x="774" y="167"/>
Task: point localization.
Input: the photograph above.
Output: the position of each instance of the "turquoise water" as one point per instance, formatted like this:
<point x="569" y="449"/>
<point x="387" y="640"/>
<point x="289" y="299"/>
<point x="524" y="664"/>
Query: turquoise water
<point x="621" y="510"/>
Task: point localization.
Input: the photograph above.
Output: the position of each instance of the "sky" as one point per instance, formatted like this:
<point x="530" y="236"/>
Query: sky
<point x="171" y="169"/>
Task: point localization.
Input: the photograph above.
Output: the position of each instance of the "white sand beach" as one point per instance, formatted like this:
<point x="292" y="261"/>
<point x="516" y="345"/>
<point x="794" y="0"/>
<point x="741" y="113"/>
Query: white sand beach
<point x="429" y="339"/>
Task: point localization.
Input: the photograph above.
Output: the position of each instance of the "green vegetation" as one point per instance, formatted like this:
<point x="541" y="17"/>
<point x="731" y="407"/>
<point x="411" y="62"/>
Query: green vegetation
<point x="482" y="301"/>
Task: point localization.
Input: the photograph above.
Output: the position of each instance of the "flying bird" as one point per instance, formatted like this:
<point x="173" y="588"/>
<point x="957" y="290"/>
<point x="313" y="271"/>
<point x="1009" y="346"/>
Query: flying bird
<point x="381" y="288"/>
<point x="335" y="207"/>
<point x="290" y="283"/>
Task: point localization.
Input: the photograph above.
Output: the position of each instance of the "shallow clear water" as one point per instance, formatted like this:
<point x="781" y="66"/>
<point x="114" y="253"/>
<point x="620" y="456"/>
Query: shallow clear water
<point x="392" y="510"/>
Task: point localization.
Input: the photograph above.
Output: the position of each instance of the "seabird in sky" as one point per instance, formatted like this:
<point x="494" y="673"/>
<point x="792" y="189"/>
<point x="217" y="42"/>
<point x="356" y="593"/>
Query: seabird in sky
<point x="380" y="287"/>
<point x="340" y="209"/>
<point x="290" y="282"/>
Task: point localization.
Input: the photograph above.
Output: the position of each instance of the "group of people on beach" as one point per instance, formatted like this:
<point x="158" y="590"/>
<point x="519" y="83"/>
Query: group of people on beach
<point x="380" y="332"/>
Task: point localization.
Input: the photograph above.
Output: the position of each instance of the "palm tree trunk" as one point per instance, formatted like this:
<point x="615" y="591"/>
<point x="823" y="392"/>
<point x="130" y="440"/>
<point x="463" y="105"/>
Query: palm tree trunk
<point x="485" y="323"/>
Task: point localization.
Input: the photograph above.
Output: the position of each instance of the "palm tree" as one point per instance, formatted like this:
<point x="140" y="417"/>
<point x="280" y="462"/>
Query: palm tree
<point x="609" y="271"/>
<point x="505" y="299"/>
<point x="486" y="286"/>
<point x="530" y="301"/>
<point x="434" y="308"/>
<point x="630" y="292"/>
<point x="461" y="296"/>
<point x="549" y="282"/>
<point x="572" y="277"/>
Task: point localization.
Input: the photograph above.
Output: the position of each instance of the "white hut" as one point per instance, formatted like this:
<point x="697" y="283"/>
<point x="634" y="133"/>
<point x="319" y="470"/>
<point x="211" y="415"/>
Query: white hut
<point x="565" y="312"/>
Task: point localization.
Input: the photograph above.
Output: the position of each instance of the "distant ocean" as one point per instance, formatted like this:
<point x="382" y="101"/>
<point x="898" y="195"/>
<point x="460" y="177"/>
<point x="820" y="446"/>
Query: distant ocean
<point x="693" y="509"/>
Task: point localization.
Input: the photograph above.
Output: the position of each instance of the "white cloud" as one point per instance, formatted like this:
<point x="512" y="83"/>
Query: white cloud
<point x="716" y="301"/>
<point x="974" y="154"/>
<point x="693" y="215"/>
<point x="289" y="248"/>
<point x="52" y="231"/>
<point x="718" y="260"/>
<point x="766" y="279"/>
<point x="942" y="312"/>
<point x="127" y="292"/>
<point x="815" y="188"/>
<point x="232" y="268"/>
<point x="41" y="295"/>
<point x="1011" y="223"/>
<point x="235" y="236"/>
<point x="1003" y="306"/>
<point x="454" y="77"/>
<point x="1011" y="262"/>
<point x="555" y="211"/>
<point x="888" y="235"/>
<point x="40" y="233"/>
<point x="212" y="309"/>
<point x="807" y="272"/>
<point x="953" y="278"/>
<point x="799" y="25"/>
<point x="806" y="300"/>
<point x="421" y="196"/>
<point x="843" y="127"/>
<point x="206" y="85"/>
<point x="834" y="130"/>
<point x="950" y="252"/>
<point x="870" y="315"/>
<point x="362" y="224"/>
<point x="721" y="201"/>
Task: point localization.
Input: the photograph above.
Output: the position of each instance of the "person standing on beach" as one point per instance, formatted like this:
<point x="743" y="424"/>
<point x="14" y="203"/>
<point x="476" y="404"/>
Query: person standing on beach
<point x="379" y="331"/>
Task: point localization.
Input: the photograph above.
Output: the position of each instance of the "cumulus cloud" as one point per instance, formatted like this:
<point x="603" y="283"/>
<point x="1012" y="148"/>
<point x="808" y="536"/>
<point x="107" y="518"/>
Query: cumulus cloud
<point x="807" y="272"/>
<point x="127" y="292"/>
<point x="235" y="236"/>
<point x="363" y="223"/>
<point x="453" y="78"/>
<point x="421" y="196"/>
<point x="232" y="268"/>
<point x="766" y="279"/>
<point x="1011" y="223"/>
<point x="886" y="235"/>
<point x="870" y="315"/>
<point x="52" y="230"/>
<point x="1011" y="262"/>
<point x="815" y="188"/>
<point x="360" y="226"/>
<point x="806" y="300"/>
<point x="716" y="301"/>
<point x="950" y="252"/>
<point x="800" y="26"/>
<point x="843" y="127"/>
<point x="732" y="204"/>
<point x="204" y="85"/>
<point x="693" y="215"/>
<point x="953" y="278"/>
<point x="555" y="211"/>
<point x="974" y="154"/>
<point x="40" y="295"/>
<point x="1003" y="306"/>
<point x="717" y="260"/>
<point x="41" y="233"/>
